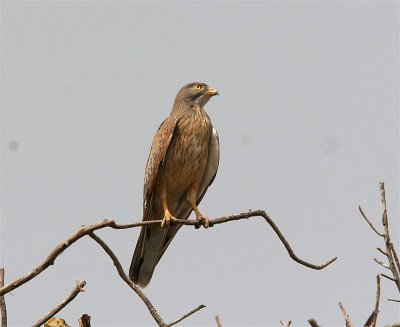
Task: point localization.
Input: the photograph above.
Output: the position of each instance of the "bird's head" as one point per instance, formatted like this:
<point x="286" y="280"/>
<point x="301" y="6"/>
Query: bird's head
<point x="195" y="93"/>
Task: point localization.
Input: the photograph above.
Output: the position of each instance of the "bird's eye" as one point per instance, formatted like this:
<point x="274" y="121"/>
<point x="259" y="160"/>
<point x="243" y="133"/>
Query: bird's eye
<point x="197" y="86"/>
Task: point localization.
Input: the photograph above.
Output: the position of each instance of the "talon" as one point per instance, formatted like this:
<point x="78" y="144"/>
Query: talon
<point x="203" y="221"/>
<point x="167" y="219"/>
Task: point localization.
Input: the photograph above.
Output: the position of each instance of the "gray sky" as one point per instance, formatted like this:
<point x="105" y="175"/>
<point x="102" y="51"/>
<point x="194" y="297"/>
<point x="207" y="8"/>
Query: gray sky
<point x="308" y="122"/>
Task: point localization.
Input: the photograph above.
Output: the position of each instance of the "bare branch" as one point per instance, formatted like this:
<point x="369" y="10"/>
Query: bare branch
<point x="393" y="300"/>
<point x="391" y="253"/>
<point x="345" y="315"/>
<point x="396" y="324"/>
<point x="395" y="257"/>
<point x="263" y="214"/>
<point x="371" y="322"/>
<point x="77" y="289"/>
<point x="383" y="252"/>
<point x="381" y="263"/>
<point x="53" y="255"/>
<point x="84" y="320"/>
<point x="369" y="222"/>
<point x="378" y="296"/>
<point x="385" y="222"/>
<point x="313" y="322"/>
<point x="3" y="308"/>
<point x="160" y="322"/>
<point x="218" y="321"/>
<point x="86" y="230"/>
<point x="187" y="315"/>
<point x="388" y="277"/>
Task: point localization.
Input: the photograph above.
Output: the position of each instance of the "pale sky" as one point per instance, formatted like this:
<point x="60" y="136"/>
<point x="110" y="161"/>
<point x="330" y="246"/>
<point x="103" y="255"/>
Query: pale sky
<point x="308" y="120"/>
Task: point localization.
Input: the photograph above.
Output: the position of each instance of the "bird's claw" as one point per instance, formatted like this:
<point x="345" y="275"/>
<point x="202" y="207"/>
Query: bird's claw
<point x="167" y="219"/>
<point x="203" y="221"/>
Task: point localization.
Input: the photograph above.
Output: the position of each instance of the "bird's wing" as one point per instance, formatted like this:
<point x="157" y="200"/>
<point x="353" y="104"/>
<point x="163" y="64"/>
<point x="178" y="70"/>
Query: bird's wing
<point x="151" y="238"/>
<point x="158" y="150"/>
<point x="184" y="208"/>
<point x="212" y="165"/>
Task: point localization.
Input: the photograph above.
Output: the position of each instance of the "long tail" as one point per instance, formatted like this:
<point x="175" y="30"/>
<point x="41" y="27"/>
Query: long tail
<point x="147" y="254"/>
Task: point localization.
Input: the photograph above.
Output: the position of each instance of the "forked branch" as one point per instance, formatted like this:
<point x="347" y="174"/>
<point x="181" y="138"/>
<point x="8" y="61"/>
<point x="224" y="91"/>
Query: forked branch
<point x="389" y="252"/>
<point x="86" y="230"/>
<point x="77" y="289"/>
<point x="89" y="230"/>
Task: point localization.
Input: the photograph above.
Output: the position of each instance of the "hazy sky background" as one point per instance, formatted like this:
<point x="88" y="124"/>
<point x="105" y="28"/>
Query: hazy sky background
<point x="308" y="119"/>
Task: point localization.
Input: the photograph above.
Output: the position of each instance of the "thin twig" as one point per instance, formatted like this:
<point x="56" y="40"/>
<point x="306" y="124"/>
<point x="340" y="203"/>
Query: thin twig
<point x="378" y="296"/>
<point x="391" y="253"/>
<point x="388" y="277"/>
<point x="383" y="252"/>
<point x="345" y="315"/>
<point x="313" y="322"/>
<point x="3" y="307"/>
<point x="187" y="315"/>
<point x="374" y="315"/>
<point x="218" y="321"/>
<point x="160" y="322"/>
<point x="77" y="289"/>
<point x="393" y="300"/>
<point x="381" y="263"/>
<point x="286" y="244"/>
<point x="86" y="230"/>
<point x="369" y="222"/>
<point x="395" y="257"/>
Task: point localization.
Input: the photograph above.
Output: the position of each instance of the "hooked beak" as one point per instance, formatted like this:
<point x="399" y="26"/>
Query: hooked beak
<point x="211" y="92"/>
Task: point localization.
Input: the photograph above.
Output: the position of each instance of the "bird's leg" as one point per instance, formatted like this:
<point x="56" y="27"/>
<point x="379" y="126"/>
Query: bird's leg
<point x="191" y="197"/>
<point x="167" y="215"/>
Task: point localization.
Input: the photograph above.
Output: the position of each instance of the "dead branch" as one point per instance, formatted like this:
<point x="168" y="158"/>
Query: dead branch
<point x="389" y="252"/>
<point x="396" y="258"/>
<point x="86" y="230"/>
<point x="345" y="315"/>
<point x="268" y="219"/>
<point x="388" y="277"/>
<point x="381" y="251"/>
<point x="201" y="306"/>
<point x="394" y="300"/>
<point x="125" y="278"/>
<point x="369" y="222"/>
<point x="313" y="322"/>
<point x="371" y="321"/>
<point x="77" y="289"/>
<point x="3" y="308"/>
<point x="384" y="265"/>
<point x="218" y="321"/>
<point x="389" y="246"/>
<point x="160" y="322"/>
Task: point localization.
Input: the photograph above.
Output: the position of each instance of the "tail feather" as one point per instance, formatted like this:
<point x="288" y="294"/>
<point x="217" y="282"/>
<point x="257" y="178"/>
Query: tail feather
<point x="147" y="254"/>
<point x="151" y="245"/>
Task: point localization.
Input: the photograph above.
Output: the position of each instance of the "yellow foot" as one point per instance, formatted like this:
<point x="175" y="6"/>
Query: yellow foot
<point x="167" y="219"/>
<point x="206" y="224"/>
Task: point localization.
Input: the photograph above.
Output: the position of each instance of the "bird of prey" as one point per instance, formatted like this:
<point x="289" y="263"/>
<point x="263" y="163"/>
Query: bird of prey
<point x="182" y="164"/>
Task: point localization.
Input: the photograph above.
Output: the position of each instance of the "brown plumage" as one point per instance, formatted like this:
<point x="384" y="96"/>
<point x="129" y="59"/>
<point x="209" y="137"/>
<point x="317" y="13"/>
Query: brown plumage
<point x="182" y="164"/>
